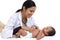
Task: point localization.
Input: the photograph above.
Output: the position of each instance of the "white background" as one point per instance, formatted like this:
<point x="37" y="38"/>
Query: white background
<point x="47" y="13"/>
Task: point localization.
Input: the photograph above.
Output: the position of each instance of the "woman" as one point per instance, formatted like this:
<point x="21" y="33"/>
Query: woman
<point x="22" y="19"/>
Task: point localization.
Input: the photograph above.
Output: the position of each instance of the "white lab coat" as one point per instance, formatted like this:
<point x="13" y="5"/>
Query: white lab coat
<point x="14" y="22"/>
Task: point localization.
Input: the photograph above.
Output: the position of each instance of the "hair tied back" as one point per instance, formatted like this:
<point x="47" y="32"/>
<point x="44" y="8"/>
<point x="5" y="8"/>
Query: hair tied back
<point x="28" y="0"/>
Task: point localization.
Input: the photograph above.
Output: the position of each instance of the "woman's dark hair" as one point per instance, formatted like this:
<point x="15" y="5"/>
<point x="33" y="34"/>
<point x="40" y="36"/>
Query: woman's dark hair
<point x="27" y="4"/>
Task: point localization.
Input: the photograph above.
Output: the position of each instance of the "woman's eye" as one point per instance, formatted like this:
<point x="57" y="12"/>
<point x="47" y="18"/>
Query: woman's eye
<point x="31" y="11"/>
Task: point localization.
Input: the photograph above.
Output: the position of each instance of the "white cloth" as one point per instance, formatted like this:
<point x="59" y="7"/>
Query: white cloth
<point x="29" y="35"/>
<point x="15" y="21"/>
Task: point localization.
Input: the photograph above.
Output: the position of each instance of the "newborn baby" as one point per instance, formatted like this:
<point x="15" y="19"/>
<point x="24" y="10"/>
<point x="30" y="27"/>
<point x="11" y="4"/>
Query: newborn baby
<point x="37" y="33"/>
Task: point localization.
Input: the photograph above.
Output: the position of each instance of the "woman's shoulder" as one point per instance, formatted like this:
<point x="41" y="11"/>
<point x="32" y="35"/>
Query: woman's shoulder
<point x="15" y="14"/>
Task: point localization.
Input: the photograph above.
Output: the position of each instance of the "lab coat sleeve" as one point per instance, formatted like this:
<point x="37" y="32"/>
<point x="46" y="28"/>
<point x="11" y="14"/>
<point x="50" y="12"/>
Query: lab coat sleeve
<point x="8" y="30"/>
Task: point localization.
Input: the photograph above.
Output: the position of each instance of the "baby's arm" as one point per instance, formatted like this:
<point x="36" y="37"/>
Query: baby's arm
<point x="40" y="35"/>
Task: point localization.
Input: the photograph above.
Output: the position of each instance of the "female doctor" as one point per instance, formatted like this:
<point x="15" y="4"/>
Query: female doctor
<point x="21" y="19"/>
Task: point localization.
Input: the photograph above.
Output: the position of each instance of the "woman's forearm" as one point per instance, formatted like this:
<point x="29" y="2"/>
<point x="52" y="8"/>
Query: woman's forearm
<point x="25" y="28"/>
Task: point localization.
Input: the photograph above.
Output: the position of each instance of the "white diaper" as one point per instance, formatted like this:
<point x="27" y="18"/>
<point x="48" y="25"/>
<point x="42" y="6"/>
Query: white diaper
<point x="29" y="35"/>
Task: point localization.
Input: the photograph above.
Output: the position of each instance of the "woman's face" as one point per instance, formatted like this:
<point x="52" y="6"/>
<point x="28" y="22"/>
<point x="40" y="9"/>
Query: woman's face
<point x="30" y="11"/>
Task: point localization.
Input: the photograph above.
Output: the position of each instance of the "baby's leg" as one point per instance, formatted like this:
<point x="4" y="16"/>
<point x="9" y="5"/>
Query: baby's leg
<point x="21" y="32"/>
<point x="15" y="32"/>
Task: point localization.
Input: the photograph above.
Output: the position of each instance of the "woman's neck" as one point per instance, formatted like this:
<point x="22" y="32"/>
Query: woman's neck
<point x="23" y="15"/>
<point x="24" y="18"/>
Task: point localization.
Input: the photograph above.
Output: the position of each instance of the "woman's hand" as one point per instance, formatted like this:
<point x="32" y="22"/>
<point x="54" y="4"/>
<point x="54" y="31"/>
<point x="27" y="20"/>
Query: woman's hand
<point x="36" y="27"/>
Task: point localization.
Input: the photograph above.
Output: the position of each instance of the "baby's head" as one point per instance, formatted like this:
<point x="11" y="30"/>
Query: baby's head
<point x="49" y="31"/>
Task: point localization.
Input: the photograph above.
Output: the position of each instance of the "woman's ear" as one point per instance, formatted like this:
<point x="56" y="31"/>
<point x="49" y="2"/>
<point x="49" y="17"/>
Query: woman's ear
<point x="24" y="9"/>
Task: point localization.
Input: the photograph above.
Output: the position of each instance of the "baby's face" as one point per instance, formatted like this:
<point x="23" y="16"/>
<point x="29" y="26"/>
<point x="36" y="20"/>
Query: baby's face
<point x="47" y="29"/>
